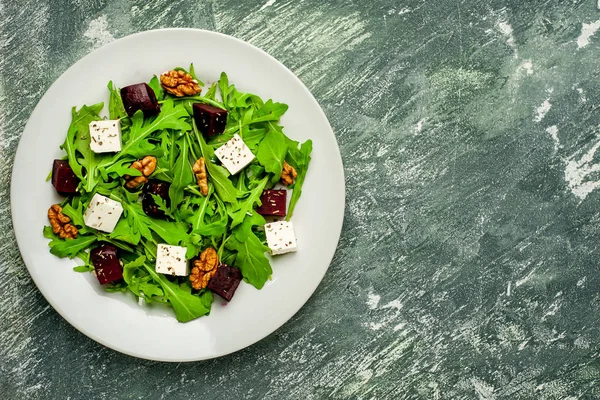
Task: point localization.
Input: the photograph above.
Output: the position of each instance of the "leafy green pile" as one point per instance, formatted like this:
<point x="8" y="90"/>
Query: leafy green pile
<point x="224" y="219"/>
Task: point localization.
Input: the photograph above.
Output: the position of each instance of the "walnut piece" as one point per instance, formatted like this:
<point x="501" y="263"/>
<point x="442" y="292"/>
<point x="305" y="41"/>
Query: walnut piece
<point x="199" y="169"/>
<point x="288" y="175"/>
<point x="205" y="267"/>
<point x="179" y="83"/>
<point x="146" y="166"/>
<point x="60" y="223"/>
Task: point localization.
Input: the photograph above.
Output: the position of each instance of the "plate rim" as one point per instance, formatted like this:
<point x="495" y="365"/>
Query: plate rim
<point x="18" y="231"/>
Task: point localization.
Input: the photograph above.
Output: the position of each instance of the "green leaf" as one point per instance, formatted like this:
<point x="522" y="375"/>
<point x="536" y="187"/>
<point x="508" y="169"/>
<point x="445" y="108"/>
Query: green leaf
<point x="251" y="259"/>
<point x="78" y="142"/>
<point x="170" y="117"/>
<point x="182" y="174"/>
<point x="212" y="91"/>
<point x="116" y="109"/>
<point x="218" y="175"/>
<point x="83" y="268"/>
<point x="301" y="159"/>
<point x="162" y="205"/>
<point x="171" y="232"/>
<point x="159" y="92"/>
<point x="224" y="89"/>
<point x="67" y="247"/>
<point x="271" y="153"/>
<point x="187" y="306"/>
<point x="246" y="206"/>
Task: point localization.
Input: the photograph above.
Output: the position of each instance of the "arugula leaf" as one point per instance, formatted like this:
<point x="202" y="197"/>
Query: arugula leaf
<point x="78" y="141"/>
<point x="116" y="109"/>
<point x="171" y="232"/>
<point x="155" y="85"/>
<point x="133" y="225"/>
<point x="271" y="153"/>
<point x="187" y="306"/>
<point x="299" y="159"/>
<point x="170" y="117"/>
<point x="162" y="205"/>
<point x="212" y="91"/>
<point x="246" y="206"/>
<point x="224" y="89"/>
<point x="202" y="223"/>
<point x="218" y="175"/>
<point x="67" y="247"/>
<point x="251" y="259"/>
<point x="139" y="282"/>
<point x="182" y="174"/>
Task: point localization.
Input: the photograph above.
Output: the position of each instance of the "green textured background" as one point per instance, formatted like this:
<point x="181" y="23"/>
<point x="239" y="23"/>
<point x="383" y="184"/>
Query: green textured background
<point x="468" y="263"/>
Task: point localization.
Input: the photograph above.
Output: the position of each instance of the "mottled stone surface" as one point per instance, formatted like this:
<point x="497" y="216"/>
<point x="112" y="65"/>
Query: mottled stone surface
<point x="468" y="266"/>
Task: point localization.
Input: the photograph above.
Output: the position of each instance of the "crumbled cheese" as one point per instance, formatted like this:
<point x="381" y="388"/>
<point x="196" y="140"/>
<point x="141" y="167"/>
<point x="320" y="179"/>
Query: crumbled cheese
<point x="170" y="260"/>
<point x="234" y="154"/>
<point x="105" y="136"/>
<point x="102" y="213"/>
<point x="280" y="237"/>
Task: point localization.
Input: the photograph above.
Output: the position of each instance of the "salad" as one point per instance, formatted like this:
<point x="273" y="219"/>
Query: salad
<point x="178" y="195"/>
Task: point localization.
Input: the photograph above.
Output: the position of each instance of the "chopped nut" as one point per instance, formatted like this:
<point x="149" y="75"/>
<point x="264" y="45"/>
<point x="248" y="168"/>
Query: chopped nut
<point x="199" y="169"/>
<point x="60" y="223"/>
<point x="146" y="166"/>
<point x="288" y="175"/>
<point x="205" y="267"/>
<point x="179" y="83"/>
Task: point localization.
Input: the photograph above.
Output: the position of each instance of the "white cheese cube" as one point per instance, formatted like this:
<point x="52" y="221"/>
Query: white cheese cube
<point x="280" y="237"/>
<point x="105" y="136"/>
<point x="170" y="260"/>
<point x="234" y="154"/>
<point x="102" y="213"/>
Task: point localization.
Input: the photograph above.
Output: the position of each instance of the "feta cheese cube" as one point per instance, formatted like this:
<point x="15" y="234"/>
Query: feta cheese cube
<point x="234" y="154"/>
<point x="102" y="213"/>
<point x="170" y="260"/>
<point x="105" y="136"/>
<point x="280" y="237"/>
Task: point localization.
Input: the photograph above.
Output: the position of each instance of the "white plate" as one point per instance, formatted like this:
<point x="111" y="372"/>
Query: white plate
<point x="115" y="320"/>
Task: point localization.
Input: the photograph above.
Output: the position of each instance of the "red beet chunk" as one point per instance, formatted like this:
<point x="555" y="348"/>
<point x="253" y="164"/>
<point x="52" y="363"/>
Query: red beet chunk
<point x="106" y="263"/>
<point x="157" y="188"/>
<point x="64" y="179"/>
<point x="209" y="119"/>
<point x="140" y="97"/>
<point x="273" y="203"/>
<point x="225" y="281"/>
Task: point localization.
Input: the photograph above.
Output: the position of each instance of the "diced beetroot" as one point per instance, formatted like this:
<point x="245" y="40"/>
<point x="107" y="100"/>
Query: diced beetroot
<point x="273" y="203"/>
<point x="140" y="97"/>
<point x="157" y="188"/>
<point x="64" y="179"/>
<point x="210" y="120"/>
<point x="106" y="263"/>
<point x="225" y="281"/>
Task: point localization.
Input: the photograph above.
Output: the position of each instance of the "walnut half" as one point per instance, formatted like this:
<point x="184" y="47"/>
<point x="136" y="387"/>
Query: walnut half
<point x="205" y="267"/>
<point x="199" y="169"/>
<point x="146" y="166"/>
<point x="179" y="83"/>
<point x="60" y="223"/>
<point x="288" y="175"/>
